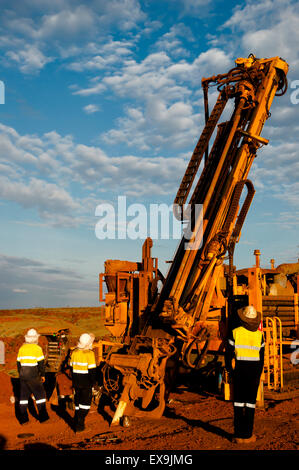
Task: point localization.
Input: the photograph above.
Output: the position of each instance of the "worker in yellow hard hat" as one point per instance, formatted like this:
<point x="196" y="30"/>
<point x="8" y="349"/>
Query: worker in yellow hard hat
<point x="83" y="364"/>
<point x="246" y="346"/>
<point x="31" y="368"/>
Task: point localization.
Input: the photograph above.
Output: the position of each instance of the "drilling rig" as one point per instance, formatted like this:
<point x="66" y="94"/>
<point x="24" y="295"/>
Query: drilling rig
<point x="155" y="328"/>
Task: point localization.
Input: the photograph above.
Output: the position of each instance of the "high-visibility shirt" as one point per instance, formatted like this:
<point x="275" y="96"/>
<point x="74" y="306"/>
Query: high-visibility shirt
<point x="82" y="361"/>
<point x="30" y="360"/>
<point x="247" y="344"/>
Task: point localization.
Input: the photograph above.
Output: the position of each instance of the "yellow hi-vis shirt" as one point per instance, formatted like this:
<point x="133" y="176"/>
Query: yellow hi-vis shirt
<point x="30" y="354"/>
<point x="247" y="344"/>
<point x="82" y="361"/>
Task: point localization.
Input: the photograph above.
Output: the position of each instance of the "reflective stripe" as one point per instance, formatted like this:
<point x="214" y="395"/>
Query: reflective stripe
<point x="29" y="364"/>
<point x="77" y="408"/>
<point x="26" y="357"/>
<point x="232" y="343"/>
<point x="236" y="403"/>
<point x="244" y="346"/>
<point x="30" y="355"/>
<point x="23" y="402"/>
<point x="83" y="364"/>
<point x="82" y="361"/>
<point x="42" y="400"/>
<point x="247" y="344"/>
<point x="244" y="358"/>
<point x="84" y="407"/>
<point x="250" y="405"/>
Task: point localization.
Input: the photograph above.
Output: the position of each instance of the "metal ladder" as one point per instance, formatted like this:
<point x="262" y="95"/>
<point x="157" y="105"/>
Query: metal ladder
<point x="53" y="355"/>
<point x="199" y="151"/>
<point x="273" y="366"/>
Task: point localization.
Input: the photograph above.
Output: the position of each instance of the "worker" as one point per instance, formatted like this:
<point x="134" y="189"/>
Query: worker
<point x="245" y="348"/>
<point x="83" y="365"/>
<point x="31" y="368"/>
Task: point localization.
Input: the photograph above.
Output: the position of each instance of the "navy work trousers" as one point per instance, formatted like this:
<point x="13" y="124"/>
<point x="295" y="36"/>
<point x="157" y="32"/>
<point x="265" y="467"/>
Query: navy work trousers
<point x="32" y="387"/>
<point x="83" y="398"/>
<point x="246" y="378"/>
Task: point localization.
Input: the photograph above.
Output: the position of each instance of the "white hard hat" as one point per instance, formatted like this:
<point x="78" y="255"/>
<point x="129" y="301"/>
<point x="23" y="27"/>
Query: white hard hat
<point x="31" y="336"/>
<point x="250" y="312"/>
<point x="85" y="341"/>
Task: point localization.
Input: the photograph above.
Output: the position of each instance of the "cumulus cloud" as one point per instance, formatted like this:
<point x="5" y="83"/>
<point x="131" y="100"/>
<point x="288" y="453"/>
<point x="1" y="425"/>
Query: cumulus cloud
<point x="30" y="59"/>
<point x="165" y="114"/>
<point x="191" y="7"/>
<point x="172" y="41"/>
<point x="269" y="28"/>
<point x="159" y="75"/>
<point x="156" y="127"/>
<point x="65" y="28"/>
<point x="79" y="169"/>
<point x="37" y="193"/>
<point x="91" y="108"/>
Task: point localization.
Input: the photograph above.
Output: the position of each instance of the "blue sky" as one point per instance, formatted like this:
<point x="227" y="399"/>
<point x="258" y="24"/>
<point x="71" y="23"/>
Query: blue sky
<point x="103" y="98"/>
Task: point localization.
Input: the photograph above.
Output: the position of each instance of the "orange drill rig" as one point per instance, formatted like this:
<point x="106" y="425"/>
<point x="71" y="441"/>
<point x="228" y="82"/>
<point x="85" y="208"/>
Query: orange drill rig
<point x="155" y="329"/>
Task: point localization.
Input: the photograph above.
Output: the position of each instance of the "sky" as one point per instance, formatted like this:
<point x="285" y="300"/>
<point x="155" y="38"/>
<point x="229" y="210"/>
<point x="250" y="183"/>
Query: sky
<point x="103" y="99"/>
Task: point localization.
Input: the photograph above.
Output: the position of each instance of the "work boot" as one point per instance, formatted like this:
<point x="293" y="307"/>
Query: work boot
<point x="238" y="440"/>
<point x="249" y="440"/>
<point x="43" y="415"/>
<point x="24" y="419"/>
<point x="79" y="427"/>
<point x="80" y="416"/>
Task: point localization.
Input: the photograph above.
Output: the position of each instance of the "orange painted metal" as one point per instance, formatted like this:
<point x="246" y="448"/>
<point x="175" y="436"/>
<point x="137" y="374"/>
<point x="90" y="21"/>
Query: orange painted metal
<point x="157" y="327"/>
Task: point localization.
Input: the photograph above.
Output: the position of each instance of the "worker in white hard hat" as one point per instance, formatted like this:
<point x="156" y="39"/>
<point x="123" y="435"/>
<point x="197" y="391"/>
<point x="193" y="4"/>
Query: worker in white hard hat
<point x="246" y="346"/>
<point x="83" y="364"/>
<point x="31" y="368"/>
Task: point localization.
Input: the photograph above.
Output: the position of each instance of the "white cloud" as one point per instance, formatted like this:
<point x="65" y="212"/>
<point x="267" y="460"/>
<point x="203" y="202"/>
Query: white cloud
<point x="172" y="40"/>
<point x="37" y="193"/>
<point x="158" y="126"/>
<point x="276" y="172"/>
<point x="70" y="22"/>
<point x="33" y="37"/>
<point x="125" y="14"/>
<point x="30" y="59"/>
<point x="192" y="6"/>
<point x="91" y="108"/>
<point x="157" y="74"/>
<point x="102" y="56"/>
<point x="20" y="291"/>
<point x="94" y="90"/>
<point x="63" y="169"/>
<point x="268" y="29"/>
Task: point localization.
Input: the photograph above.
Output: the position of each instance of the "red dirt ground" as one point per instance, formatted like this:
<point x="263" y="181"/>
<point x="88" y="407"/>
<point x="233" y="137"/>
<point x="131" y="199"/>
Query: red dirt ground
<point x="192" y="421"/>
